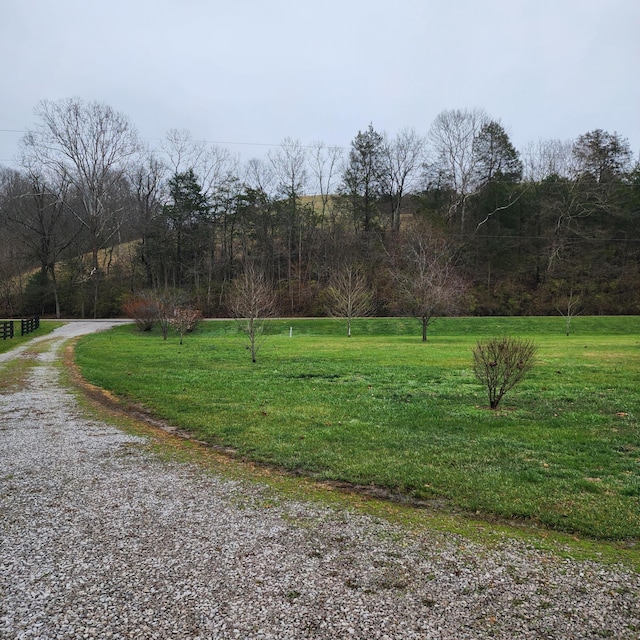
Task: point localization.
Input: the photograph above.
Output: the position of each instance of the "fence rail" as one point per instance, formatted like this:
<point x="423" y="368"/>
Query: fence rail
<point x="6" y="329"/>
<point x="28" y="325"/>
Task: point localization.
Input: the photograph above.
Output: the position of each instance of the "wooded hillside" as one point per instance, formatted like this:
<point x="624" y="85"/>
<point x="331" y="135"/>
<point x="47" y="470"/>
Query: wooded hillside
<point x="453" y="221"/>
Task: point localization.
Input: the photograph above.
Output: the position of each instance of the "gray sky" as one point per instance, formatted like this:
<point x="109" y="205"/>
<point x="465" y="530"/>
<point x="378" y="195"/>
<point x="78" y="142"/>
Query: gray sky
<point x="257" y="71"/>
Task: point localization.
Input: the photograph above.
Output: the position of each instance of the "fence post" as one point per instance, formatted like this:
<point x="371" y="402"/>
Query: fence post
<point x="29" y="325"/>
<point x="6" y="330"/>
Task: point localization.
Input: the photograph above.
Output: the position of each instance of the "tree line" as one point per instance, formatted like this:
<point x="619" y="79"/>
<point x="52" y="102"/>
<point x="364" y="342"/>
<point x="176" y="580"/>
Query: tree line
<point x="455" y="220"/>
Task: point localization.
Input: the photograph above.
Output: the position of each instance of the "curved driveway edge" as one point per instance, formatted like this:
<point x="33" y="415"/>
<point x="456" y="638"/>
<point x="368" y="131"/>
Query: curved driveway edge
<point x="100" y="538"/>
<point x="71" y="329"/>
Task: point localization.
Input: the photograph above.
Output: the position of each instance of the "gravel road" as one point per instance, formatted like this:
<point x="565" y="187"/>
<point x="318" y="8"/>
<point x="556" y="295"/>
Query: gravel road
<point x="100" y="538"/>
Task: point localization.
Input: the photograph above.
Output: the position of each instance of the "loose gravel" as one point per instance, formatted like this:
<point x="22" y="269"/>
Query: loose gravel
<point x="101" y="538"/>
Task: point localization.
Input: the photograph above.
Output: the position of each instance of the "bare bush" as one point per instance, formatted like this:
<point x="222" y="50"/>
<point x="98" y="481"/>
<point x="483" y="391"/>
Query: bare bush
<point x="142" y="310"/>
<point x="501" y="363"/>
<point x="184" y="320"/>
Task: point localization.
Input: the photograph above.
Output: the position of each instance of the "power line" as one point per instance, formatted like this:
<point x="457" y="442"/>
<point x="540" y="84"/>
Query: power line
<point x="221" y="142"/>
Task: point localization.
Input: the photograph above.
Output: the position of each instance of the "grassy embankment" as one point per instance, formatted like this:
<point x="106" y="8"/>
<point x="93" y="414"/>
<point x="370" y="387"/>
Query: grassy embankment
<point x="14" y="372"/>
<point x="384" y="409"/>
<point x="46" y="326"/>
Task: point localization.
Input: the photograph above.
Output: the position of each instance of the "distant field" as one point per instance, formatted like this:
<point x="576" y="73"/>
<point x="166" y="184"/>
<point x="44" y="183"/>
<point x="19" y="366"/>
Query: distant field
<point x="383" y="408"/>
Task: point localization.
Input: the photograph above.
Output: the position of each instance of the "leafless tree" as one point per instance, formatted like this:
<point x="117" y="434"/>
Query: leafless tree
<point x="259" y="175"/>
<point x="324" y="162"/>
<point x="251" y="301"/>
<point x="289" y="163"/>
<point x="88" y="145"/>
<point x="148" y="179"/>
<point x="429" y="284"/>
<point x="35" y="211"/>
<point x="570" y="310"/>
<point x="501" y="363"/>
<point x="404" y="155"/>
<point x="546" y="158"/>
<point x="182" y="151"/>
<point x="349" y="295"/>
<point x="452" y="136"/>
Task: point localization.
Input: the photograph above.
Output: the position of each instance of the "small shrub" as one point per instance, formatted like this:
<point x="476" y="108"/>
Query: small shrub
<point x="143" y="310"/>
<point x="501" y="363"/>
<point x="185" y="320"/>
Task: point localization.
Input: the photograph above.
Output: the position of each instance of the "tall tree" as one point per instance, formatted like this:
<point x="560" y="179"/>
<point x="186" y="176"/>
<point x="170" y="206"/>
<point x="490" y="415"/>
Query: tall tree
<point x="324" y="164"/>
<point x="290" y="166"/>
<point x="604" y="156"/>
<point x="546" y="158"/>
<point x="88" y="145"/>
<point x="495" y="156"/>
<point x="36" y="212"/>
<point x="362" y="178"/>
<point x="404" y="156"/>
<point x="148" y="181"/>
<point x="186" y="214"/>
<point x="452" y="136"/>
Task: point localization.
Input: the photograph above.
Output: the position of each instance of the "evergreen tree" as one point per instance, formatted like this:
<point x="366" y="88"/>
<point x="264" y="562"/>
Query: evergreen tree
<point x="186" y="217"/>
<point x="496" y="157"/>
<point x="362" y="178"/>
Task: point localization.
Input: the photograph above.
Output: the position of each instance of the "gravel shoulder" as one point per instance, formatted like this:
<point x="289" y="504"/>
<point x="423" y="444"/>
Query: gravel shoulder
<point x="99" y="537"/>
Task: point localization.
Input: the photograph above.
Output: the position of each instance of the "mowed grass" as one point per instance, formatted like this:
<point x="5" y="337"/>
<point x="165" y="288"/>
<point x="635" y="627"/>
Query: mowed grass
<point x="381" y="408"/>
<point x="46" y="326"/>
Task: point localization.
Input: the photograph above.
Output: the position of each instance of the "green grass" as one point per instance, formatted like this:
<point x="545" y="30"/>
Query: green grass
<point x="46" y="326"/>
<point x="382" y="408"/>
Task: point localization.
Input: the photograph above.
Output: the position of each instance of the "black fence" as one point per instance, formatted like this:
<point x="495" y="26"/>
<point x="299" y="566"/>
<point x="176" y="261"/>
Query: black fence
<point x="6" y="329"/>
<point x="28" y="325"/>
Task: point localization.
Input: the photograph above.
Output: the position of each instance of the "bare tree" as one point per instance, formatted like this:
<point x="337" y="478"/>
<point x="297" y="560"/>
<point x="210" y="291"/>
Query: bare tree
<point x="501" y="363"/>
<point x="88" y="145"/>
<point x="324" y="162"/>
<point x="251" y="301"/>
<point x="429" y="283"/>
<point x="404" y="155"/>
<point x="452" y="136"/>
<point x="349" y="295"/>
<point x="260" y="176"/>
<point x="182" y="151"/>
<point x="289" y="163"/>
<point x="571" y="310"/>
<point x="35" y="211"/>
<point x="546" y="158"/>
<point x="148" y="180"/>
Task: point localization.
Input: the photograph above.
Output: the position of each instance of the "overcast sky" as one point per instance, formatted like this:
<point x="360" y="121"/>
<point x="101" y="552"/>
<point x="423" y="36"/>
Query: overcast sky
<point x="257" y="71"/>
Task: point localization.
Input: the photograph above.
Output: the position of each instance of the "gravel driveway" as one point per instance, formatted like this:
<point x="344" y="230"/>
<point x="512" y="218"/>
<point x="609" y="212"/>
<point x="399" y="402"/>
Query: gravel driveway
<point x="100" y="538"/>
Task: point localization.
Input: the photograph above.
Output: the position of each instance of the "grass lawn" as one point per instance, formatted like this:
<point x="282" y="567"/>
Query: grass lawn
<point x="383" y="408"/>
